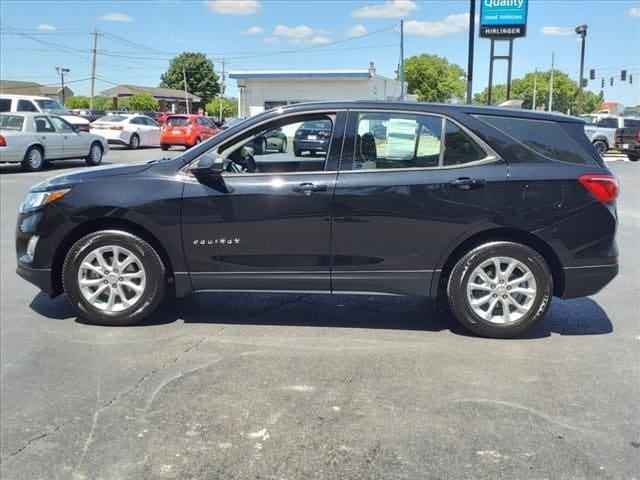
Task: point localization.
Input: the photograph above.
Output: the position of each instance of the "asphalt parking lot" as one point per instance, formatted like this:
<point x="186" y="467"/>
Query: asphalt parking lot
<point x="232" y="386"/>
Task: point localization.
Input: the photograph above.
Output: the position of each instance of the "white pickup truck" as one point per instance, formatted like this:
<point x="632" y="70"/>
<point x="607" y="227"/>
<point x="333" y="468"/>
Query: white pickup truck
<point x="602" y="133"/>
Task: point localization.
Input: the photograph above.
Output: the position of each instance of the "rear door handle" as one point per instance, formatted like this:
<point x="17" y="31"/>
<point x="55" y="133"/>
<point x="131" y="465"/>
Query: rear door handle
<point x="309" y="188"/>
<point x="466" y="183"/>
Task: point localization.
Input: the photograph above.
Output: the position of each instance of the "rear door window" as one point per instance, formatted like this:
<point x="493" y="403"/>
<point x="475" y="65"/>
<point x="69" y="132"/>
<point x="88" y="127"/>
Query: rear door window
<point x="631" y="123"/>
<point x="26" y="106"/>
<point x="546" y="138"/>
<point x="44" y="125"/>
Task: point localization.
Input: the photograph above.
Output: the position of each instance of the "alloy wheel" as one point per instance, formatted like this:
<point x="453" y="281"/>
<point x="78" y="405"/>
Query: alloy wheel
<point x="35" y="159"/>
<point x="501" y="290"/>
<point x="96" y="154"/>
<point x="111" y="278"/>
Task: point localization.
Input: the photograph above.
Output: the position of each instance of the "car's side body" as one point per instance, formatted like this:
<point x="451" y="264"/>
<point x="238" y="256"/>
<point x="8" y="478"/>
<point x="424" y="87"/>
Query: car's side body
<point x="391" y="231"/>
<point x="44" y="132"/>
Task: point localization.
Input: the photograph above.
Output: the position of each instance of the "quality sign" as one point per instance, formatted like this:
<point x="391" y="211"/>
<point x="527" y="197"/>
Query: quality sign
<point x="503" y="19"/>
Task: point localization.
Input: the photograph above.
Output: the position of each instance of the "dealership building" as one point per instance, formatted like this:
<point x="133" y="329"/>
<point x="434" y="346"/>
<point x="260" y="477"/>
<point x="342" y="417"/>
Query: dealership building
<point x="261" y="90"/>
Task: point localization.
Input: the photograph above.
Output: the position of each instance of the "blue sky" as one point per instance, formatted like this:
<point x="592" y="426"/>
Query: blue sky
<point x="251" y="33"/>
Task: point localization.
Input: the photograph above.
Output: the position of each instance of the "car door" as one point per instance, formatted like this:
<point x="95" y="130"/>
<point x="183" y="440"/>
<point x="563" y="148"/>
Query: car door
<point x="74" y="144"/>
<point x="409" y="185"/>
<point x="153" y="132"/>
<point x="262" y="230"/>
<point x="49" y="137"/>
<point x="138" y="126"/>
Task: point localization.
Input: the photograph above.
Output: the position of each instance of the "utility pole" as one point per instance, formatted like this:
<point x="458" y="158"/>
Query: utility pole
<point x="62" y="72"/>
<point x="472" y="27"/>
<point x="553" y="56"/>
<point x="221" y="91"/>
<point x="535" y="88"/>
<point x="186" y="94"/>
<point x="582" y="31"/>
<point x="94" y="50"/>
<point x="401" y="60"/>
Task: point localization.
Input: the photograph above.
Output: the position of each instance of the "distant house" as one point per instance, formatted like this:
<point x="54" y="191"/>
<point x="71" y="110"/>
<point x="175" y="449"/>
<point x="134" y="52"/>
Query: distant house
<point x="16" y="87"/>
<point x="170" y="99"/>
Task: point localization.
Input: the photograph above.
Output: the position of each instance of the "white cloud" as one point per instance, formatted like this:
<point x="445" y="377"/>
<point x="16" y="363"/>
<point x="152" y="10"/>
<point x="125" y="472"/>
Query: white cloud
<point x="255" y="30"/>
<point x="388" y="9"/>
<point x="234" y="7"/>
<point x="116" y="17"/>
<point x="318" y="40"/>
<point x="557" y="31"/>
<point x="45" y="27"/>
<point x="450" y="24"/>
<point x="301" y="31"/>
<point x="634" y="12"/>
<point x="272" y="40"/>
<point x="356" y="30"/>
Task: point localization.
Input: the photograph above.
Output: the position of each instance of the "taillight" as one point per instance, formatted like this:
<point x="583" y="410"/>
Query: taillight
<point x="603" y="186"/>
<point x="638" y="135"/>
<point x="3" y="142"/>
<point x="116" y="128"/>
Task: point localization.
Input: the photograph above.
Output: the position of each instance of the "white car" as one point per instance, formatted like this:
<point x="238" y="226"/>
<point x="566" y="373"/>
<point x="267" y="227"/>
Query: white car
<point x="32" y="139"/>
<point x="129" y="129"/>
<point x="34" y="103"/>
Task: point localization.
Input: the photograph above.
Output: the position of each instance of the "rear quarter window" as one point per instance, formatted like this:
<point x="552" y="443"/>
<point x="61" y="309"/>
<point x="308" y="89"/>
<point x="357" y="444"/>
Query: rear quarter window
<point x="631" y="123"/>
<point x="546" y="138"/>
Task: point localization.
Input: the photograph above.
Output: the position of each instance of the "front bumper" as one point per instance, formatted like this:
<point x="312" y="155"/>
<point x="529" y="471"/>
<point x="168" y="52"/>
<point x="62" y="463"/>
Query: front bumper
<point x="588" y="280"/>
<point x="40" y="277"/>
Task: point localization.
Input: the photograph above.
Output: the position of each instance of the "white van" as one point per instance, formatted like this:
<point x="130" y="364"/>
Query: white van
<point x="34" y="103"/>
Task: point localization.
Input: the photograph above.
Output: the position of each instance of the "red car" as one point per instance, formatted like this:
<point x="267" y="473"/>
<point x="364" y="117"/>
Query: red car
<point x="187" y="130"/>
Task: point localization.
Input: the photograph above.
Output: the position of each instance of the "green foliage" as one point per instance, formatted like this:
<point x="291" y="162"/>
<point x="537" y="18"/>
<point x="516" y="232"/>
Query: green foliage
<point x="201" y="79"/>
<point x="434" y="79"/>
<point x="229" y="107"/>
<point x="143" y="102"/>
<point x="77" y="101"/>
<point x="566" y="94"/>
<point x="103" y="103"/>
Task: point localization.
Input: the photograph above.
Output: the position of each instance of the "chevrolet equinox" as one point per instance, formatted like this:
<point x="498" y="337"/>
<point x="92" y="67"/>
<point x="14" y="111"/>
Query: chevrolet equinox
<point x="492" y="210"/>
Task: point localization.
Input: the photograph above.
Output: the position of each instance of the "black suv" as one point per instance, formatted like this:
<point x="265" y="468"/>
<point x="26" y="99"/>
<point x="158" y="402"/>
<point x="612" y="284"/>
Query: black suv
<point x="494" y="210"/>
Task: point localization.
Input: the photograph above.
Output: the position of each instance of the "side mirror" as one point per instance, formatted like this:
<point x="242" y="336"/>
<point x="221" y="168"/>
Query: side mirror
<point x="207" y="166"/>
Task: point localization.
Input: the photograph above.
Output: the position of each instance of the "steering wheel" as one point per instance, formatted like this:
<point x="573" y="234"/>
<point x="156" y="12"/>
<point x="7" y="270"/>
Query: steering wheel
<point x="249" y="163"/>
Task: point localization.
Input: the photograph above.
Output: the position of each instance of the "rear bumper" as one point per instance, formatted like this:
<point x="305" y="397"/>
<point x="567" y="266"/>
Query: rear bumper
<point x="588" y="280"/>
<point x="311" y="145"/>
<point x="41" y="278"/>
<point x="177" y="140"/>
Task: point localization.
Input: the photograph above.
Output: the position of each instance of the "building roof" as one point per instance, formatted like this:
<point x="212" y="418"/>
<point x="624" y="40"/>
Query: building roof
<point x="158" y="92"/>
<point x="351" y="73"/>
<point x="18" y="87"/>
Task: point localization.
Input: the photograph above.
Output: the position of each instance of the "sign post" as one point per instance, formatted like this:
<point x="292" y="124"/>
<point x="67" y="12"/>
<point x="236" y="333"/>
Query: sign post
<point x="502" y="20"/>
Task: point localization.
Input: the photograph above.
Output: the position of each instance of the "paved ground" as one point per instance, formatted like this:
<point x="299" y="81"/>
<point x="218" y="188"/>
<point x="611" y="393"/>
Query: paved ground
<point x="230" y="386"/>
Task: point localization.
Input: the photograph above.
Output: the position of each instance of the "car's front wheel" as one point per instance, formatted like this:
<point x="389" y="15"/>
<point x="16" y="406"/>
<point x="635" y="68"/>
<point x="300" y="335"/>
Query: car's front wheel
<point x="500" y="289"/>
<point x="134" y="142"/>
<point x="95" y="155"/>
<point x="113" y="277"/>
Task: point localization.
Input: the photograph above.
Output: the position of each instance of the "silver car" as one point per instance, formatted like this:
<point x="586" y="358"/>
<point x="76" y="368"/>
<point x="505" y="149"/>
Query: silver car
<point x="32" y="139"/>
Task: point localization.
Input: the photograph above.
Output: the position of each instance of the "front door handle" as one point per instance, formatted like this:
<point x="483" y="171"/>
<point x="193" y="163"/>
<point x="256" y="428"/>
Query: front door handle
<point x="466" y="183"/>
<point x="308" y="188"/>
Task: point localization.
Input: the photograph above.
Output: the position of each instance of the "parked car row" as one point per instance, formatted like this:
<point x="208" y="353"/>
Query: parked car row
<point x="602" y="130"/>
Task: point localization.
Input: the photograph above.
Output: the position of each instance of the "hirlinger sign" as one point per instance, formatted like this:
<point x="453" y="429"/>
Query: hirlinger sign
<point x="503" y="19"/>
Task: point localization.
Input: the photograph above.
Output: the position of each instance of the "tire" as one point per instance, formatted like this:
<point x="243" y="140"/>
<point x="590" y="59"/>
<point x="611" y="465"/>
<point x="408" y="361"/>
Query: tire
<point x="140" y="302"/>
<point x="165" y="147"/>
<point x="33" y="159"/>
<point x="283" y="146"/>
<point x="134" y="142"/>
<point x="633" y="158"/>
<point x="601" y="146"/>
<point x="536" y="294"/>
<point x="297" y="153"/>
<point x="95" y="155"/>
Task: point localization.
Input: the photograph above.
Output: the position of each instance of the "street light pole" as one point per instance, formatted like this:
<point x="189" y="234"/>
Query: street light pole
<point x="62" y="72"/>
<point x="582" y="31"/>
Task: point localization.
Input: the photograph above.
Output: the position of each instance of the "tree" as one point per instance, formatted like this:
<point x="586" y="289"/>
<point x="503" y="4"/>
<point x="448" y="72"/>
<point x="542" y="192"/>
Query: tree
<point x="434" y="79"/>
<point x="229" y="107"/>
<point x="201" y="79"/>
<point x="143" y="102"/>
<point x="586" y="102"/>
<point x="77" y="101"/>
<point x="498" y="95"/>
<point x="103" y="103"/>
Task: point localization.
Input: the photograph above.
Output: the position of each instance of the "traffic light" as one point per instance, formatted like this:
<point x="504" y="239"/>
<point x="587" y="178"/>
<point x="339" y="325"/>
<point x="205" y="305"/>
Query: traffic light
<point x="584" y="83"/>
<point x="623" y="75"/>
<point x="611" y="81"/>
<point x="602" y="85"/>
<point x="592" y="74"/>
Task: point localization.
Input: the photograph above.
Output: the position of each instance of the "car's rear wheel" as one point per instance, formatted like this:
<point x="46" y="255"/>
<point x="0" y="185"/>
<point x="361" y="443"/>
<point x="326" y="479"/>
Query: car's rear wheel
<point x="134" y="141"/>
<point x="165" y="147"/>
<point x="633" y="158"/>
<point x="297" y="153"/>
<point x="601" y="147"/>
<point x="500" y="289"/>
<point x="113" y="278"/>
<point x="95" y="154"/>
<point x="33" y="159"/>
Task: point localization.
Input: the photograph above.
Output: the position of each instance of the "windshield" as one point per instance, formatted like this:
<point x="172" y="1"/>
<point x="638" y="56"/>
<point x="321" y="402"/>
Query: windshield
<point x="11" y="122"/>
<point x="52" y="106"/>
<point x="113" y="118"/>
<point x="178" y="121"/>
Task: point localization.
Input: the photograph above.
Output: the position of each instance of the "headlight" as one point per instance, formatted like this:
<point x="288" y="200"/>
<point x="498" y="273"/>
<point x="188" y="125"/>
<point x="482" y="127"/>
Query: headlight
<point x="36" y="200"/>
